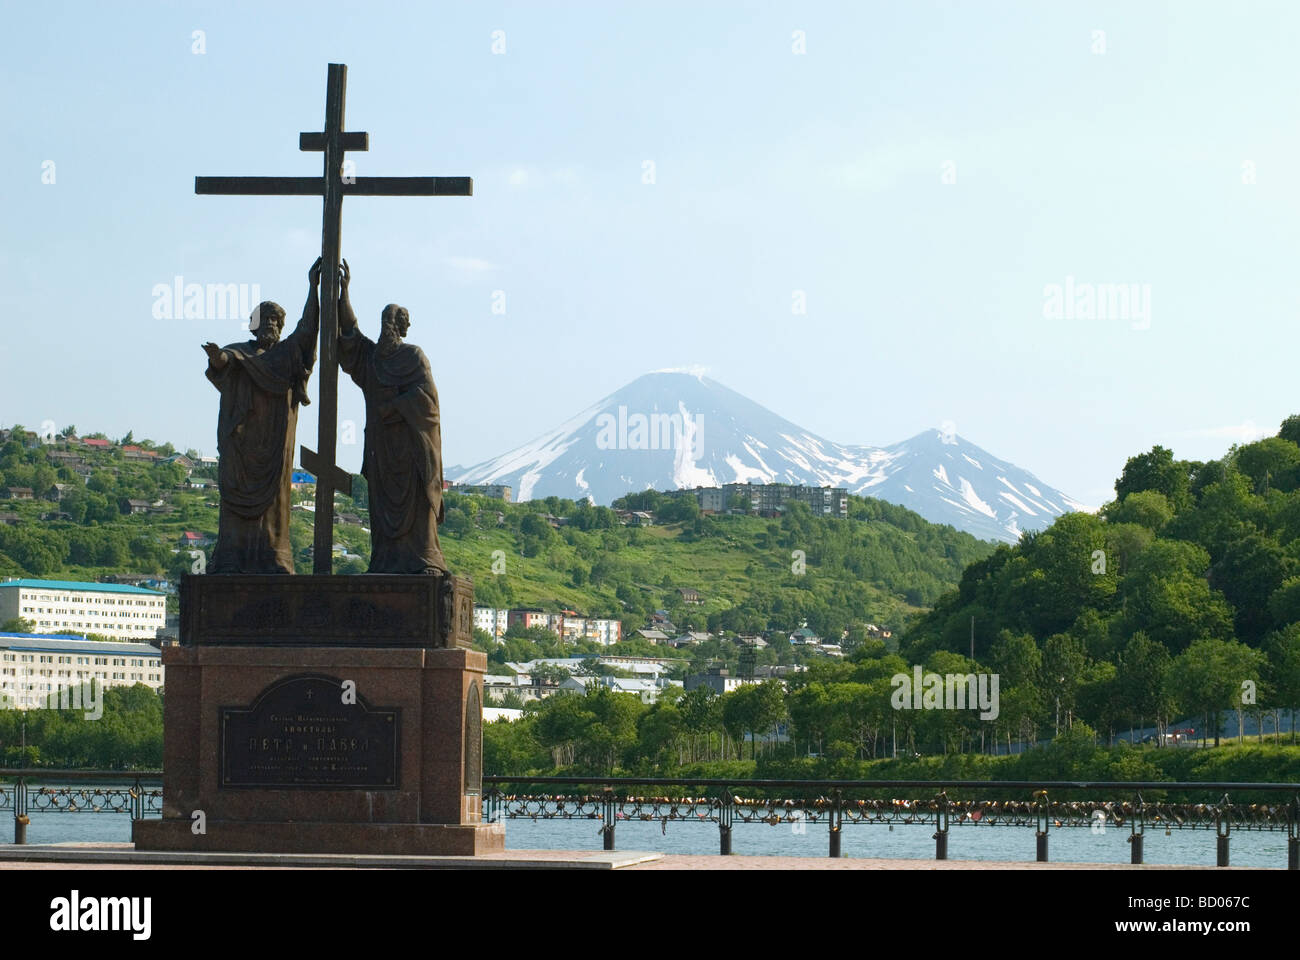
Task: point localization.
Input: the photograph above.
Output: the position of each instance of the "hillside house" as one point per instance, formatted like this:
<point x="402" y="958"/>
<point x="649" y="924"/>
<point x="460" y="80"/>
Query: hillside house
<point x="691" y="638"/>
<point x="63" y="458"/>
<point x="57" y="492"/>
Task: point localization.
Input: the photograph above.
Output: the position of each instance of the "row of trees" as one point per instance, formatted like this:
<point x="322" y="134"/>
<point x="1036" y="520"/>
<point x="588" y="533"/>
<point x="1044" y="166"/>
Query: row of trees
<point x="852" y="711"/>
<point x="44" y="551"/>
<point x="127" y="735"/>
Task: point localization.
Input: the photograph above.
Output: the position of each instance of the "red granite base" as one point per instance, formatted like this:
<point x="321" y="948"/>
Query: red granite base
<point x="235" y="836"/>
<point x="434" y="803"/>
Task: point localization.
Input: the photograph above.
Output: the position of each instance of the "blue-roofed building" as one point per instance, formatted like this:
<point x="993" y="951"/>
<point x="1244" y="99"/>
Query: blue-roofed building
<point x="32" y="666"/>
<point x="115" y="610"/>
<point x="301" y="479"/>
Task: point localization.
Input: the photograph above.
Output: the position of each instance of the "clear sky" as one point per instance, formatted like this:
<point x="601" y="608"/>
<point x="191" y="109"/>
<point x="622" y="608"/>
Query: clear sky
<point x="922" y="173"/>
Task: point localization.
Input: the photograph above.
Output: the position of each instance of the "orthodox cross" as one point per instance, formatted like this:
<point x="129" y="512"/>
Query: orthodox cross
<point x="333" y="187"/>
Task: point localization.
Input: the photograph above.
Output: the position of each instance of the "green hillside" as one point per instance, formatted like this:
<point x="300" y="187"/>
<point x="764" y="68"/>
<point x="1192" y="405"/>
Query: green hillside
<point x="1181" y="598"/>
<point x="881" y="565"/>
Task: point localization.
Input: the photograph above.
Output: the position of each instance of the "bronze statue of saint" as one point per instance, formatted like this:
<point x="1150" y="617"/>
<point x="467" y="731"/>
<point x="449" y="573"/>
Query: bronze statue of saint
<point x="402" y="462"/>
<point x="262" y="382"/>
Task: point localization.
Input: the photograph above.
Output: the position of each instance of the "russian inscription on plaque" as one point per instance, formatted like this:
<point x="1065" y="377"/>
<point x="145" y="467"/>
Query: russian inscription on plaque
<point x="302" y="732"/>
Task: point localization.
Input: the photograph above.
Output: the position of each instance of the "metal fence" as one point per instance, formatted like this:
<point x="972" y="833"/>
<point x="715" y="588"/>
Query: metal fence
<point x="1042" y="805"/>
<point x="137" y="793"/>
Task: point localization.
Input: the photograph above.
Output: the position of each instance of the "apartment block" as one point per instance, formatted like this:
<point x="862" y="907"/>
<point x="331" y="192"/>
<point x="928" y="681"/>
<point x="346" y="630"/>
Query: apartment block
<point x="113" y="610"/>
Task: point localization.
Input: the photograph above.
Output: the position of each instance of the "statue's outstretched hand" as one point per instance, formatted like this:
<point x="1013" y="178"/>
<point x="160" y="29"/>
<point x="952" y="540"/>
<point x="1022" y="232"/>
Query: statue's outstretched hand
<point x="314" y="273"/>
<point x="215" y="355"/>
<point x="345" y="277"/>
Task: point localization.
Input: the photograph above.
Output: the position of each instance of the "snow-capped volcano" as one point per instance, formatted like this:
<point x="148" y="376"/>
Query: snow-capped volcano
<point x="670" y="430"/>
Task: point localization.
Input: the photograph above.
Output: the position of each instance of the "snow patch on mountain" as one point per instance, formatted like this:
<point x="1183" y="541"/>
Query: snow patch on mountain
<point x="972" y="499"/>
<point x="719" y="436"/>
<point x="1013" y="499"/>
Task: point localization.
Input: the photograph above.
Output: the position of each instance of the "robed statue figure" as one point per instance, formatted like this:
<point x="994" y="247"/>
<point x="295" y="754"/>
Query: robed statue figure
<point x="402" y="462"/>
<point x="262" y="382"/>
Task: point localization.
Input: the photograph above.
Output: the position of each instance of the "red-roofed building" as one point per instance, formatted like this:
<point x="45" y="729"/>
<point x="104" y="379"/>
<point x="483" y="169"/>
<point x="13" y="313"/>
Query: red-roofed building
<point x="98" y="444"/>
<point x="191" y="539"/>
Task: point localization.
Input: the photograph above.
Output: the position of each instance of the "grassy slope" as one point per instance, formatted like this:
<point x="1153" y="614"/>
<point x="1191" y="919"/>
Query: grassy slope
<point x="743" y="554"/>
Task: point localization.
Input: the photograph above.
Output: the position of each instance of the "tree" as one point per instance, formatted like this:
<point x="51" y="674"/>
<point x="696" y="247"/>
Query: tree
<point x="1284" y="602"/>
<point x="1017" y="659"/>
<point x="739" y="503"/>
<point x="1249" y="572"/>
<point x="1290" y="429"/>
<point x="1207" y="677"/>
<point x="1166" y="595"/>
<point x="683" y="508"/>
<point x="1141" y="678"/>
<point x="1064" y="660"/>
<point x="739" y="712"/>
<point x="1283" y="650"/>
<point x="811" y="715"/>
<point x="550" y="673"/>
<point x="1146" y="508"/>
<point x="701" y="714"/>
<point x="1271" y="463"/>
<point x="660" y="733"/>
<point x="562" y="720"/>
<point x="769" y="706"/>
<point x="1156" y="470"/>
<point x="18" y="625"/>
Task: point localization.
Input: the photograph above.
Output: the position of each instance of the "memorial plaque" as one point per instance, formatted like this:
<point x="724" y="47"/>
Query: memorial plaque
<point x="300" y="734"/>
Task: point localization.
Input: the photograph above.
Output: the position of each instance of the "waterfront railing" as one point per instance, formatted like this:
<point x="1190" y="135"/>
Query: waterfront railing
<point x="1043" y="806"/>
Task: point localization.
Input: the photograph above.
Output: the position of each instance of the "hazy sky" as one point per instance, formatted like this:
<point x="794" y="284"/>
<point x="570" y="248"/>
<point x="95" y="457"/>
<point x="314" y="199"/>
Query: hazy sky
<point x="921" y="173"/>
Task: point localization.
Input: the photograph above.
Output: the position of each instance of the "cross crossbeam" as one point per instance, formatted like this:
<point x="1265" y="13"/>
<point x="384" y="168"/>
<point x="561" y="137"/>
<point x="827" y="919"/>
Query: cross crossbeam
<point x="315" y="186"/>
<point x="332" y="186"/>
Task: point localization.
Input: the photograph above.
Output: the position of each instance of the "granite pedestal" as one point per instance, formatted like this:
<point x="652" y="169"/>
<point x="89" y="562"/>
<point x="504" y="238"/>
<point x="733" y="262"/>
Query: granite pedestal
<point x="323" y="714"/>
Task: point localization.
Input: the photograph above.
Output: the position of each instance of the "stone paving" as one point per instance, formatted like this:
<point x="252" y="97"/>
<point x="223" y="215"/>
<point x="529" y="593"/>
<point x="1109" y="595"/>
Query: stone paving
<point x="122" y="856"/>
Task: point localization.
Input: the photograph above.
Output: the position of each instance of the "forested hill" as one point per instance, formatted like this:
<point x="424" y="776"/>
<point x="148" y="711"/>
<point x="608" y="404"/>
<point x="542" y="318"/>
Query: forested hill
<point x="1178" y="597"/>
<point x="753" y="573"/>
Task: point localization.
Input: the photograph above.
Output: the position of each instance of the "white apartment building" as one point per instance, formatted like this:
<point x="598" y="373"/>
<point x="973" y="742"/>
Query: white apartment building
<point x="605" y="632"/>
<point x="566" y="624"/>
<point x="490" y="620"/>
<point x="67" y="606"/>
<point x="32" y="668"/>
